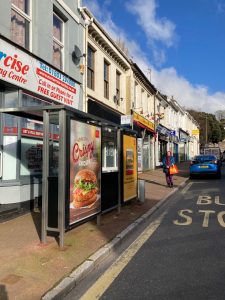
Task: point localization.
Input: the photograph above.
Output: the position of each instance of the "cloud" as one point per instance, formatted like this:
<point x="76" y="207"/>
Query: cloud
<point x="99" y="11"/>
<point x="188" y="95"/>
<point x="220" y="7"/>
<point x="156" y="29"/>
<point x="167" y="80"/>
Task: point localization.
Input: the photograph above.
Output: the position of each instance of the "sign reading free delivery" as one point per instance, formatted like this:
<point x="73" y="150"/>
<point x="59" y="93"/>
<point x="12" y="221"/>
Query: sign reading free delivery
<point x="23" y="70"/>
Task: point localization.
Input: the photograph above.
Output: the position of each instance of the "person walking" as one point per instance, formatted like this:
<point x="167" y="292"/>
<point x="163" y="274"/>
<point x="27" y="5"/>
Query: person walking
<point x="168" y="161"/>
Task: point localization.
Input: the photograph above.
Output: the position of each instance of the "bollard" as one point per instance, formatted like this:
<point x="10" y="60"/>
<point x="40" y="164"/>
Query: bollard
<point x="141" y="190"/>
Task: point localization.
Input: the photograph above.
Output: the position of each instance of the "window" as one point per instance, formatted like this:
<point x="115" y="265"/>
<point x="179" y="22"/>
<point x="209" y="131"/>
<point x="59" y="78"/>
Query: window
<point x="148" y="105"/>
<point x="20" y="22"/>
<point x="109" y="148"/>
<point x="135" y="94"/>
<point x="118" y="86"/>
<point x="106" y="79"/>
<point x="142" y="100"/>
<point x="90" y="68"/>
<point x="58" y="41"/>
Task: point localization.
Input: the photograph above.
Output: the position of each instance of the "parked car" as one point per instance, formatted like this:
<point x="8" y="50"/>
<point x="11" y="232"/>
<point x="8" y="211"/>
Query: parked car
<point x="205" y="164"/>
<point x="223" y="156"/>
<point x="212" y="151"/>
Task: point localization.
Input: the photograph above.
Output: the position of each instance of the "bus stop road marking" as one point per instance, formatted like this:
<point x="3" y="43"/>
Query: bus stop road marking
<point x="101" y="285"/>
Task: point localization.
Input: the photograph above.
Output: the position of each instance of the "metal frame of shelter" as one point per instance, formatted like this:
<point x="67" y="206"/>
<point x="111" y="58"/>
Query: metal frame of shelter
<point x="59" y="114"/>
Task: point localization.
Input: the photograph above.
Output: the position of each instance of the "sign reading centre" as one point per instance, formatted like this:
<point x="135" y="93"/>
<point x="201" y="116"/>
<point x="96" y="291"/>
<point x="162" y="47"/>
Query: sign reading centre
<point x="25" y="71"/>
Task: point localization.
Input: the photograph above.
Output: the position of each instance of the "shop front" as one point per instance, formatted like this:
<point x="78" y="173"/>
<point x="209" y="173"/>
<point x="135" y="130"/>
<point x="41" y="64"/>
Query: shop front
<point x="163" y="140"/>
<point x="183" y="145"/>
<point x="25" y="82"/>
<point x="146" y="134"/>
<point x="173" y="144"/>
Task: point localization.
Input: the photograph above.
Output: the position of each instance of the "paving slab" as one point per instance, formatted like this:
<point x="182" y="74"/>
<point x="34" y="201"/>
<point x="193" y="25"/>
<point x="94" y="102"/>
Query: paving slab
<point x="29" y="269"/>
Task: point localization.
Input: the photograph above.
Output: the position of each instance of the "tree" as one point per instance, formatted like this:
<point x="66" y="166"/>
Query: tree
<point x="211" y="130"/>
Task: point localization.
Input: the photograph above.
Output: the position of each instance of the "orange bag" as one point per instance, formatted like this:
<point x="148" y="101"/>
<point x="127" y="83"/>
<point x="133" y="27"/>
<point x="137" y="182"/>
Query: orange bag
<point x="173" y="170"/>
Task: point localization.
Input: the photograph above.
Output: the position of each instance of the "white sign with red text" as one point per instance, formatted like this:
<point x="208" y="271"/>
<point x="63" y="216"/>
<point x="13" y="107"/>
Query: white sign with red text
<point x="23" y="70"/>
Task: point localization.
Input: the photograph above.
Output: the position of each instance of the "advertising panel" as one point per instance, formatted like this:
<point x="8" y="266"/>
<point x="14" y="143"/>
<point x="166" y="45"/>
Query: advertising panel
<point x="25" y="71"/>
<point x="85" y="171"/>
<point x="129" y="167"/>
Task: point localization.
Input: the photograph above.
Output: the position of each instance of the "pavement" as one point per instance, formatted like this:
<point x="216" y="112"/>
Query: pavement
<point x="30" y="270"/>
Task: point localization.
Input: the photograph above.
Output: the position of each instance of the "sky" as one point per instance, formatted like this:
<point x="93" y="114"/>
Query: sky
<point x="178" y="44"/>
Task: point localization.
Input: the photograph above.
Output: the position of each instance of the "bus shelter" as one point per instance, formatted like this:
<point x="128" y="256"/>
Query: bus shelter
<point x="73" y="183"/>
<point x="71" y="166"/>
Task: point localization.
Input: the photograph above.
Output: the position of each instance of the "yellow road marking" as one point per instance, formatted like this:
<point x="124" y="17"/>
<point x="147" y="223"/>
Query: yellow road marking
<point x="186" y="188"/>
<point x="101" y="285"/>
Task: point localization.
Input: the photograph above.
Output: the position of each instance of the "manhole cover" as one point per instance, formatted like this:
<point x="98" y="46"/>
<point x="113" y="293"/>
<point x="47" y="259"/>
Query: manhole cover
<point x="11" y="279"/>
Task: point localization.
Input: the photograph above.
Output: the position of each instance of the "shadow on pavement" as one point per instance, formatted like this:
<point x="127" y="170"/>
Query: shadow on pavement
<point x="3" y="293"/>
<point x="36" y="216"/>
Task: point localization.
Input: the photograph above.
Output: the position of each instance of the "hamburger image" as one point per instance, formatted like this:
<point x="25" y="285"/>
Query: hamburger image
<point x="85" y="188"/>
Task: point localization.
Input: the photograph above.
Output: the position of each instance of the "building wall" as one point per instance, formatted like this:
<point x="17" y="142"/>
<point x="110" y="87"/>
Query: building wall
<point x="18" y="187"/>
<point x="106" y="50"/>
<point x="41" y="34"/>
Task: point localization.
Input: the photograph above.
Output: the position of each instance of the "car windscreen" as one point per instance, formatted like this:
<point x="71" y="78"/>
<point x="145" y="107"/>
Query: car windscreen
<point x="204" y="159"/>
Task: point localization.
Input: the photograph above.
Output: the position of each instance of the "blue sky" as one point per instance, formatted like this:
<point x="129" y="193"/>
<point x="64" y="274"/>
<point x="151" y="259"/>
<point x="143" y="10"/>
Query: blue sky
<point x="182" y="42"/>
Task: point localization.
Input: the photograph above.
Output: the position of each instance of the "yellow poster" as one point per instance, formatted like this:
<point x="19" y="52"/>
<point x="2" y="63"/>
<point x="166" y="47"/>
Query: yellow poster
<point x="129" y="167"/>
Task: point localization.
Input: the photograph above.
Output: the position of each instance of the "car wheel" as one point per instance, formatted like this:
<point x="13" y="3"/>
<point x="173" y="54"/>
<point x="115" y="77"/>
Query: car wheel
<point x="191" y="176"/>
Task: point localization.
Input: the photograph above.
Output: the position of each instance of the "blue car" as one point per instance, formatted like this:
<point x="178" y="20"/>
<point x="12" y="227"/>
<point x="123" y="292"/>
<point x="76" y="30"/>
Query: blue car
<point x="205" y="164"/>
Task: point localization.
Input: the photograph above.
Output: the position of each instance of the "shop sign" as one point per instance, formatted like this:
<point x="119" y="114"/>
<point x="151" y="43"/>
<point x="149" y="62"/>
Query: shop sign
<point x="25" y="71"/>
<point x="129" y="167"/>
<point x="163" y="130"/>
<point x="85" y="171"/>
<point x="183" y="137"/>
<point x="126" y="120"/>
<point x="195" y="132"/>
<point x="143" y="121"/>
<point x="173" y="132"/>
<point x="29" y="133"/>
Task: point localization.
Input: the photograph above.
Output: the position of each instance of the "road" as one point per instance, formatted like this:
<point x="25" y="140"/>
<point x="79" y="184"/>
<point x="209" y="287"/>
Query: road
<point x="180" y="255"/>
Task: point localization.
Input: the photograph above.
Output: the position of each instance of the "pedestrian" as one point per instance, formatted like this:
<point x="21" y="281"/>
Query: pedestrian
<point x="168" y="161"/>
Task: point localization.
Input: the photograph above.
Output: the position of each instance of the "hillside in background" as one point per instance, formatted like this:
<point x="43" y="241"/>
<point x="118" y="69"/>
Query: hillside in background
<point x="211" y="130"/>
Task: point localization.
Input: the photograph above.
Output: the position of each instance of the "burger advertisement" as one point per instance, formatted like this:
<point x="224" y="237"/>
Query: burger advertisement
<point x="85" y="171"/>
<point x="129" y="167"/>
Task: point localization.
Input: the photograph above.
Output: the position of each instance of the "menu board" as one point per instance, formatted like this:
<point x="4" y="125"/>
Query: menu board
<point x="85" y="171"/>
<point x="129" y="167"/>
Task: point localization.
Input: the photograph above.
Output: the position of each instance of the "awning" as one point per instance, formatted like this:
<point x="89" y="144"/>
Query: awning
<point x="144" y="127"/>
<point x="143" y="123"/>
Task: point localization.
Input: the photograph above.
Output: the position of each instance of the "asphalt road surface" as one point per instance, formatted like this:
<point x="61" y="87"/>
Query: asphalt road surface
<point x="181" y="255"/>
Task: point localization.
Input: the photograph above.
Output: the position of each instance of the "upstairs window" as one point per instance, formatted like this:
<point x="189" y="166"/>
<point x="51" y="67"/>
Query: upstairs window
<point x="136" y="96"/>
<point x="118" y="86"/>
<point x="90" y="68"/>
<point x="106" y="79"/>
<point x="20" y="22"/>
<point x="58" y="41"/>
